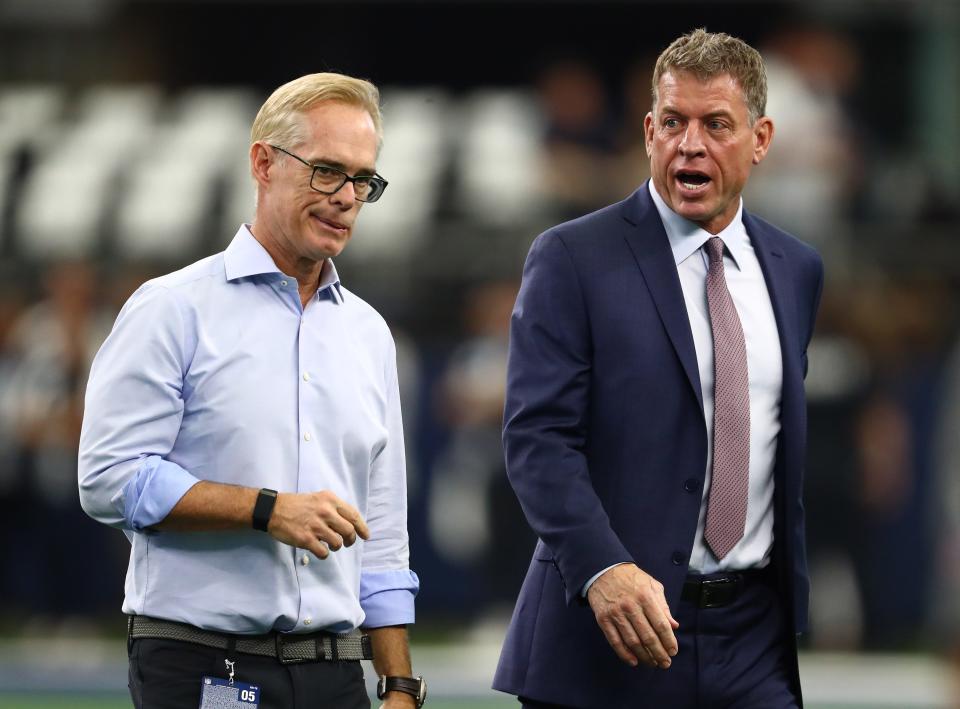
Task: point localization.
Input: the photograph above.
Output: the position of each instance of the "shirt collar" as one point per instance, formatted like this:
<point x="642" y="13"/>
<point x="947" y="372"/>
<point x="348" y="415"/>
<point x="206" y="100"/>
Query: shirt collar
<point x="245" y="256"/>
<point x="686" y="237"/>
<point x="330" y="279"/>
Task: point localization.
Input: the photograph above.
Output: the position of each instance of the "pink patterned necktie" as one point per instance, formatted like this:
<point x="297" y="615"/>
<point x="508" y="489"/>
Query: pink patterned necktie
<point x="727" y="504"/>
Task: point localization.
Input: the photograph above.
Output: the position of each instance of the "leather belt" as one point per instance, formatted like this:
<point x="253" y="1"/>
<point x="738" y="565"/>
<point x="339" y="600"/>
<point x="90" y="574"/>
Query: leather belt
<point x="718" y="590"/>
<point x="288" y="648"/>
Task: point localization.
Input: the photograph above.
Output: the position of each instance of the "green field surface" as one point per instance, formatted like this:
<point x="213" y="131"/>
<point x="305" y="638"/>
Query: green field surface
<point x="91" y="674"/>
<point x="35" y="701"/>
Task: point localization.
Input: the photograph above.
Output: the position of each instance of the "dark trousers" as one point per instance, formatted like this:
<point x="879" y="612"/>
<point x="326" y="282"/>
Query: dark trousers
<point x="166" y="674"/>
<point x="735" y="657"/>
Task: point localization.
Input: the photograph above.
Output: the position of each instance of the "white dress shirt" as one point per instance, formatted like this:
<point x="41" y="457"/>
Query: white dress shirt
<point x="764" y="367"/>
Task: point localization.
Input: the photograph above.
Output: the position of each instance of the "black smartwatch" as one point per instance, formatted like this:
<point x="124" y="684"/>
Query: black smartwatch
<point x="262" y="510"/>
<point x="416" y="687"/>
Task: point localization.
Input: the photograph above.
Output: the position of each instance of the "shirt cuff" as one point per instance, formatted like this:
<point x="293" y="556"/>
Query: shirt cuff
<point x="386" y="597"/>
<point x="155" y="489"/>
<point x="589" y="583"/>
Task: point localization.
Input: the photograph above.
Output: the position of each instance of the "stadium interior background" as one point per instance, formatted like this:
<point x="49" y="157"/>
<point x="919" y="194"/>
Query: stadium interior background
<point x="123" y="136"/>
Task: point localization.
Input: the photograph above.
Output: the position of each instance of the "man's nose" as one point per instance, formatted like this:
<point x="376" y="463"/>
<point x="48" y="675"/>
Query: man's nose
<point x="692" y="142"/>
<point x="345" y="196"/>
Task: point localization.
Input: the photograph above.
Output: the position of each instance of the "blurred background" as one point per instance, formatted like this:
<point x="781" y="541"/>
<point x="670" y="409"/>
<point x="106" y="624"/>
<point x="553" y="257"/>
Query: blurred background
<point x="123" y="154"/>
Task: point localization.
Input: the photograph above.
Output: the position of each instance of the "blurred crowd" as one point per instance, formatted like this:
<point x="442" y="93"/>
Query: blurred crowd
<point x="473" y="178"/>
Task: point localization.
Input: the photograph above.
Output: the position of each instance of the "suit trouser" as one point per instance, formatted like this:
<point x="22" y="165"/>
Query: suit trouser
<point x="735" y="657"/>
<point x="166" y="674"/>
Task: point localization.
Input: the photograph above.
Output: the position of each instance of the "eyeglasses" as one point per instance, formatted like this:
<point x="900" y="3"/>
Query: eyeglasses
<point x="328" y="180"/>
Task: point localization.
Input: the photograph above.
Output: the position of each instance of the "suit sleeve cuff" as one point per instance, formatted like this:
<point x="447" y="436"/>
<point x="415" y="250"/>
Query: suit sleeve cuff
<point x="155" y="489"/>
<point x="590" y="581"/>
<point x="386" y="597"/>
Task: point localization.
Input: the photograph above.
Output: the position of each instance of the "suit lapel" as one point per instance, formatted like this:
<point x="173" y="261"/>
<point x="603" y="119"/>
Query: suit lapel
<point x="780" y="284"/>
<point x="648" y="241"/>
<point x="780" y="280"/>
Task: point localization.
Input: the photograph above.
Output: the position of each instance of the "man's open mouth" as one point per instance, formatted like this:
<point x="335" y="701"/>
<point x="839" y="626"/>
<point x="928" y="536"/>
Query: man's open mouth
<point x="693" y="180"/>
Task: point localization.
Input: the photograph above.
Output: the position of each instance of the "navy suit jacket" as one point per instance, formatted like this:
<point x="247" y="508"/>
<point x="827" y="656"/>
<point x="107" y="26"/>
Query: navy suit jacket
<point x="605" y="440"/>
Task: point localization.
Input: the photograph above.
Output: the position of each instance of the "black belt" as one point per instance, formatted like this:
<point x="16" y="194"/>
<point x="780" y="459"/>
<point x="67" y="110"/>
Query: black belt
<point x="288" y="648"/>
<point x="718" y="590"/>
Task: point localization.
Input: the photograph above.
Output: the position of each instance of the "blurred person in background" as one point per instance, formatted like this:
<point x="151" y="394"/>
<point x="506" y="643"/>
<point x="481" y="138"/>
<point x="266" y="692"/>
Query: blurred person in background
<point x="475" y="518"/>
<point x="655" y="421"/>
<point x="12" y="487"/>
<point x="633" y="167"/>
<point x="946" y="509"/>
<point x="50" y="348"/>
<point x="947" y="512"/>
<point x="243" y="428"/>
<point x="899" y="321"/>
<point x="580" y="141"/>
<point x="809" y="182"/>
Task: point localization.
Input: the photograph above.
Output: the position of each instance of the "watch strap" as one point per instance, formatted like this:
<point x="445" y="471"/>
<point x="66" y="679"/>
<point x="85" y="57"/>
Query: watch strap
<point x="263" y="508"/>
<point x="407" y="685"/>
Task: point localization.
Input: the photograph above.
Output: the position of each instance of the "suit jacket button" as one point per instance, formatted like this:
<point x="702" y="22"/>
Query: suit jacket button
<point x="691" y="485"/>
<point x="678" y="558"/>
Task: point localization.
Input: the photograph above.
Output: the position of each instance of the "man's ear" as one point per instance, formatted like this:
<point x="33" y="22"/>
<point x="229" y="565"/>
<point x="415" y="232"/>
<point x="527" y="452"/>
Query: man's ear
<point x="762" y="137"/>
<point x="648" y="132"/>
<point x="261" y="160"/>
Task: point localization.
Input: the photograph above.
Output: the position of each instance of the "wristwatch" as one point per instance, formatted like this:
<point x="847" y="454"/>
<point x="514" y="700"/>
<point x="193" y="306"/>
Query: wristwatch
<point x="416" y="687"/>
<point x="263" y="508"/>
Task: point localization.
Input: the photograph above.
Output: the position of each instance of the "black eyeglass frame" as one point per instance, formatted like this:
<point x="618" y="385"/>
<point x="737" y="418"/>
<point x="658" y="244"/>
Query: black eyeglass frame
<point x="373" y="179"/>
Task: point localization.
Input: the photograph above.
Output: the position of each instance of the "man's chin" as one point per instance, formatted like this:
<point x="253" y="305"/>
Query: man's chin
<point x="694" y="211"/>
<point x="325" y="247"/>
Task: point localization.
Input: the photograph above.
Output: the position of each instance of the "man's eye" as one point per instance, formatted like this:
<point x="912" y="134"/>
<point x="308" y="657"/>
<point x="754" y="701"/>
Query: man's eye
<point x="363" y="181"/>
<point x="671" y="123"/>
<point x="325" y="171"/>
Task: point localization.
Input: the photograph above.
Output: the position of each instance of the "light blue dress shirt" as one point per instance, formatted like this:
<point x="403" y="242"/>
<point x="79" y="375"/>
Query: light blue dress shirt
<point x="217" y="372"/>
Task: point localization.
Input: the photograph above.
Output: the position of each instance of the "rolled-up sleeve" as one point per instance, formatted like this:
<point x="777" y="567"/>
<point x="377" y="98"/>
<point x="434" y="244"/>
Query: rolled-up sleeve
<point x="387" y="585"/>
<point x="132" y="414"/>
<point x="387" y="597"/>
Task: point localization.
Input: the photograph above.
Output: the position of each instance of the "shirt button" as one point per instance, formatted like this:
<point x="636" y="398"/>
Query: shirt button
<point x="690" y="485"/>
<point x="308" y="620"/>
<point x="306" y="376"/>
<point x="304" y="560"/>
<point x="678" y="558"/>
<point x="283" y="283"/>
<point x="306" y="436"/>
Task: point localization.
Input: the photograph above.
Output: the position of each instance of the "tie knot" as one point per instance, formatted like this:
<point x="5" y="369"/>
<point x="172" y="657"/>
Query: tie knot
<point x="715" y="249"/>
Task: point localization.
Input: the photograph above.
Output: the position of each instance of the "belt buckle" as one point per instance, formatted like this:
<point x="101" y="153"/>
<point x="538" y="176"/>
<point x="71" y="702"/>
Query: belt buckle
<point x="711" y="595"/>
<point x="279" y="640"/>
<point x="288" y="656"/>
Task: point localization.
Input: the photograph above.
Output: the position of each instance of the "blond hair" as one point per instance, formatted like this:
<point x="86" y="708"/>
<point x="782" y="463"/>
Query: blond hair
<point x="278" y="121"/>
<point x="710" y="54"/>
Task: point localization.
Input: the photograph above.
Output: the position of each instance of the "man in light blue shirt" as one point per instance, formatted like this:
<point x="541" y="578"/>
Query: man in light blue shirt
<point x="242" y="427"/>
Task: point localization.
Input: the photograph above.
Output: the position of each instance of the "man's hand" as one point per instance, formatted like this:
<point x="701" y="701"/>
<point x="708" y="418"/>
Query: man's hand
<point x="633" y="613"/>
<point x="319" y="522"/>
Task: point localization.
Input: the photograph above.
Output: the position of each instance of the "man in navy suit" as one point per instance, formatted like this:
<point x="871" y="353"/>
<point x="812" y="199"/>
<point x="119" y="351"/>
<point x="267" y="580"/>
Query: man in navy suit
<point x="655" y="424"/>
